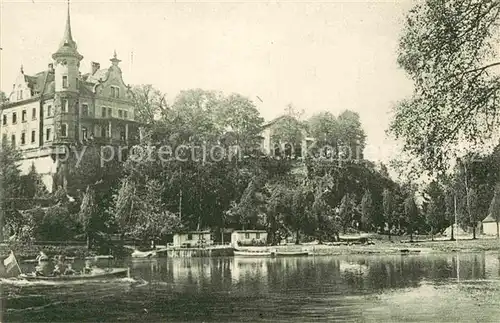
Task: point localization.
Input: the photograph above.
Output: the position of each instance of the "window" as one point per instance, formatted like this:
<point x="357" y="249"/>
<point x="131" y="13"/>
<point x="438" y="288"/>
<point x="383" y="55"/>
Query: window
<point x="200" y="236"/>
<point x="84" y="133"/>
<point x="4" y="138"/>
<point x="247" y="235"/>
<point x="120" y="113"/>
<point x="103" y="132"/>
<point x="64" y="130"/>
<point x="49" y="110"/>
<point x="110" y="112"/>
<point x="33" y="113"/>
<point x="64" y="105"/>
<point x="4" y="121"/>
<point x="115" y="92"/>
<point x="47" y="134"/>
<point x="122" y="135"/>
<point x="104" y="112"/>
<point x="13" y="140"/>
<point x="257" y="235"/>
<point x="65" y="82"/>
<point x="33" y="136"/>
<point x="14" y="117"/>
<point x="23" y="116"/>
<point x="190" y="236"/>
<point x="85" y="109"/>
<point x="19" y="95"/>
<point x="125" y="114"/>
<point x="23" y="138"/>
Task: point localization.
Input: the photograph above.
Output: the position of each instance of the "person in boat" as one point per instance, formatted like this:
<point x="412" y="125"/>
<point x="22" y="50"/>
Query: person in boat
<point x="69" y="270"/>
<point x="39" y="271"/>
<point x="56" y="271"/>
<point x="87" y="270"/>
<point x="41" y="256"/>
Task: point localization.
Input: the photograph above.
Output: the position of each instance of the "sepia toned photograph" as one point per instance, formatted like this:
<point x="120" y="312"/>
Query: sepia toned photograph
<point x="249" y="161"/>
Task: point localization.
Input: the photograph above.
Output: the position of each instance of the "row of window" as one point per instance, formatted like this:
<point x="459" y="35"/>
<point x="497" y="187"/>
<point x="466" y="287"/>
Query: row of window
<point x="48" y="135"/>
<point x="106" y="111"/>
<point x="24" y="116"/>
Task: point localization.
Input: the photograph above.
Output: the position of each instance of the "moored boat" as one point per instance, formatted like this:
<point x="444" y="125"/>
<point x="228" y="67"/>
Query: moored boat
<point x="144" y="254"/>
<point x="253" y="253"/>
<point x="291" y="253"/>
<point x="99" y="257"/>
<point x="102" y="273"/>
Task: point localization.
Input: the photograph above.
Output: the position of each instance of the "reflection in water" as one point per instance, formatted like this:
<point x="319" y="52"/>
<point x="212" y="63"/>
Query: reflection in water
<point x="274" y="289"/>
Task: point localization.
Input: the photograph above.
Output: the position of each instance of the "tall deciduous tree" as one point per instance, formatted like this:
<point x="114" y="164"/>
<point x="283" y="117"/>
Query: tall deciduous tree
<point x="367" y="211"/>
<point x="388" y="205"/>
<point x="447" y="48"/>
<point x="411" y="214"/>
<point x="88" y="214"/>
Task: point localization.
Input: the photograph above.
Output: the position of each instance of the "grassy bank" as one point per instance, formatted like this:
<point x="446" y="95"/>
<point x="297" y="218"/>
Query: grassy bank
<point x="27" y="251"/>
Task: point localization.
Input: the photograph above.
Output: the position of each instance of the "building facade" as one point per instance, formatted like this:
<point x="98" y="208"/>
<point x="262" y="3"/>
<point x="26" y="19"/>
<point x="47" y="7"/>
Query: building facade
<point x="54" y="110"/>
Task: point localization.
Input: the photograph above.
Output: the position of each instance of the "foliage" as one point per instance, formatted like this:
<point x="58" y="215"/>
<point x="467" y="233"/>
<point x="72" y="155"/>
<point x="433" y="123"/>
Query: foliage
<point x="366" y="211"/>
<point x="447" y="49"/>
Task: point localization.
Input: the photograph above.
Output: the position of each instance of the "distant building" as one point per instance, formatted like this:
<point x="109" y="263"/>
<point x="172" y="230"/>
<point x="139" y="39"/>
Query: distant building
<point x="193" y="239"/>
<point x="248" y="237"/>
<point x="52" y="110"/>
<point x="489" y="226"/>
<point x="282" y="149"/>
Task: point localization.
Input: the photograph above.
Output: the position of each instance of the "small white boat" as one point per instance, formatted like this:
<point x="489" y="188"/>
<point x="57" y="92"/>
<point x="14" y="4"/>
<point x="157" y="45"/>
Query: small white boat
<point x="253" y="253"/>
<point x="144" y="254"/>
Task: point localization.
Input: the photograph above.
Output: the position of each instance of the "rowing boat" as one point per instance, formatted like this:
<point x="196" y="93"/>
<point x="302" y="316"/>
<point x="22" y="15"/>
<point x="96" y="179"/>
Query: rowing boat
<point x="144" y="254"/>
<point x="291" y="253"/>
<point x="99" y="257"/>
<point x="103" y="273"/>
<point x="253" y="253"/>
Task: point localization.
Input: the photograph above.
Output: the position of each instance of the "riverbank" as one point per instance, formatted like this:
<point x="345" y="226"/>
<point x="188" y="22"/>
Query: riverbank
<point x="381" y="245"/>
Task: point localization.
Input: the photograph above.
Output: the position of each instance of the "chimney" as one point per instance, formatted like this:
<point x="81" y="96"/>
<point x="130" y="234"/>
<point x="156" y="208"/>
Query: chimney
<point x="51" y="67"/>
<point x="95" y="67"/>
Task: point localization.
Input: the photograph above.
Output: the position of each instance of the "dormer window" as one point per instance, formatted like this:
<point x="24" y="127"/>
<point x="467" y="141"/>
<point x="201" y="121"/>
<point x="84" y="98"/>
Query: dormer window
<point x="115" y="92"/>
<point x="65" y="82"/>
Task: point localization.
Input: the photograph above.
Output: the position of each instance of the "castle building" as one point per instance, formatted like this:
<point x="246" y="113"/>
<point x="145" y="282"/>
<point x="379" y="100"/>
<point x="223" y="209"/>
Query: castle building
<point x="51" y="111"/>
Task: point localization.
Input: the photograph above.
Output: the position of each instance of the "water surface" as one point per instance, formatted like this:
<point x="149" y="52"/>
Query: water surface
<point x="422" y="288"/>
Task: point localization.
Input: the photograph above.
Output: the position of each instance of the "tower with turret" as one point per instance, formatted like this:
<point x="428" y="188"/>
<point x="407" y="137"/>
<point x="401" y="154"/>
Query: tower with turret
<point x="52" y="112"/>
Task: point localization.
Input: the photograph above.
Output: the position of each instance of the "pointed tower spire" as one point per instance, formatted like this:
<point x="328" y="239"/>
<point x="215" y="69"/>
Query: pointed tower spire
<point x="115" y="59"/>
<point x="68" y="38"/>
<point x="67" y="45"/>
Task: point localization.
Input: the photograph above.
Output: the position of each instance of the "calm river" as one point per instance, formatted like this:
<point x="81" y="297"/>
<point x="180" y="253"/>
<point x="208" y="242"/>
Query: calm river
<point x="424" y="288"/>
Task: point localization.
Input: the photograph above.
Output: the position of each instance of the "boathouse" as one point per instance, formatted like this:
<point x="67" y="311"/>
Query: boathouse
<point x="489" y="226"/>
<point x="192" y="239"/>
<point x="248" y="238"/>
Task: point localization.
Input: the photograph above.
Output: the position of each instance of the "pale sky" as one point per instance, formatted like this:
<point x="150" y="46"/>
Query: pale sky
<point x="333" y="55"/>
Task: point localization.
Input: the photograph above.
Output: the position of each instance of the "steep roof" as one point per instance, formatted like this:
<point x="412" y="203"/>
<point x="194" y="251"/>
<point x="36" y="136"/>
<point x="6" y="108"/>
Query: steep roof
<point x="67" y="47"/>
<point x="489" y="219"/>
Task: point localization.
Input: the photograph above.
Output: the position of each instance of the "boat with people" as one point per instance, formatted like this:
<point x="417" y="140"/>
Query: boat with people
<point x="96" y="273"/>
<point x="253" y="253"/>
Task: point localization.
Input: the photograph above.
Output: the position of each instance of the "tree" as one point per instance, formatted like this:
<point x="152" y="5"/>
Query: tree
<point x="149" y="103"/>
<point x="388" y="204"/>
<point x="9" y="188"/>
<point x="411" y="214"/>
<point x="88" y="214"/>
<point x="495" y="207"/>
<point x="346" y="211"/>
<point x="124" y="209"/>
<point x="435" y="206"/>
<point x="447" y="48"/>
<point x="472" y="201"/>
<point x="366" y="211"/>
